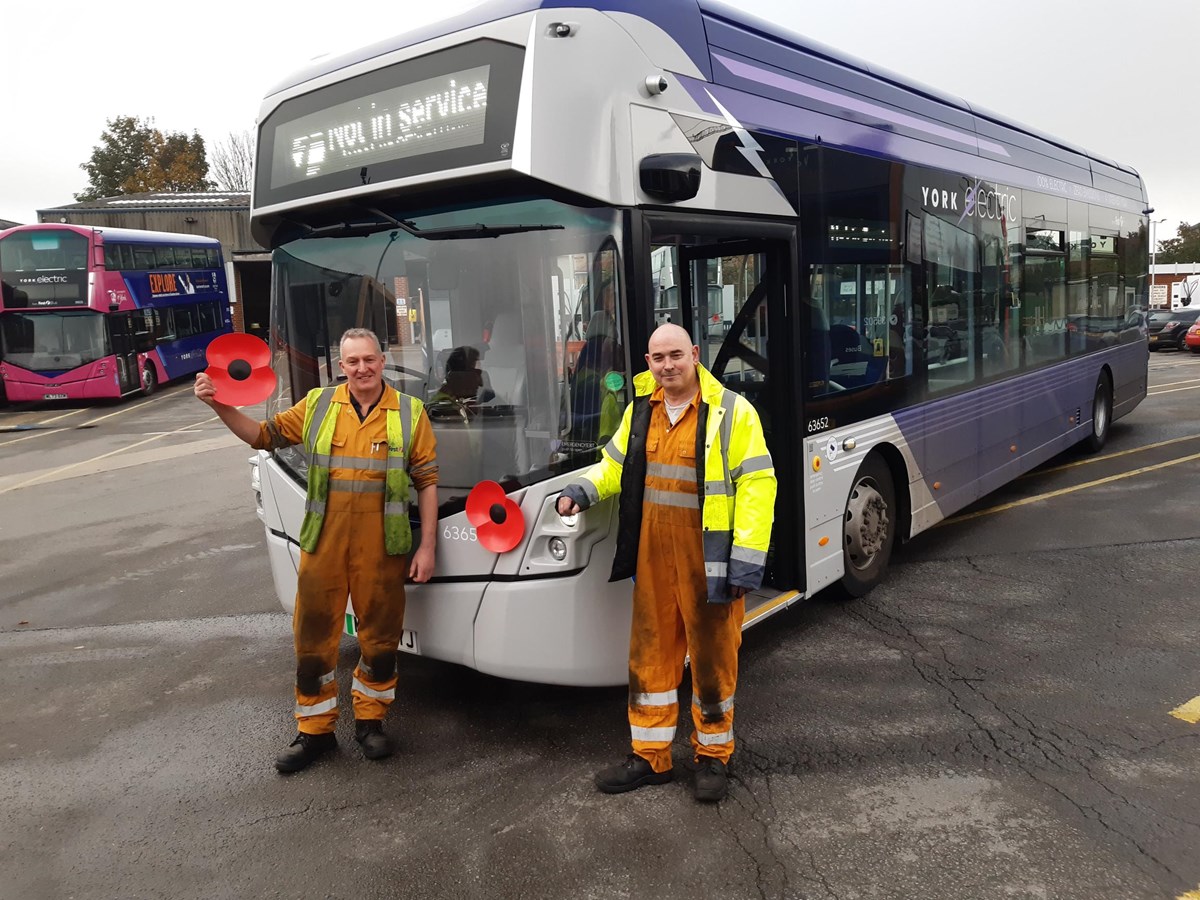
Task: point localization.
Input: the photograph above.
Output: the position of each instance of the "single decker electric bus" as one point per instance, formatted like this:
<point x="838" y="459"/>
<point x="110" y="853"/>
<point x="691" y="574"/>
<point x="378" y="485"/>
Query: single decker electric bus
<point x="922" y="299"/>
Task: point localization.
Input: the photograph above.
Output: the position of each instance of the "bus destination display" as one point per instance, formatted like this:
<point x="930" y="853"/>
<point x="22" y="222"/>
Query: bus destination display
<point x="430" y="116"/>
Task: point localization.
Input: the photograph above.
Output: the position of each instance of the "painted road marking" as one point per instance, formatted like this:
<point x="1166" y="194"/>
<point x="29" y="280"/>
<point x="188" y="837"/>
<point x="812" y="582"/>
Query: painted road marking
<point x="1069" y="490"/>
<point x="1173" y="383"/>
<point x="1190" y="895"/>
<point x="1189" y="712"/>
<point x="28" y="436"/>
<point x="124" y="409"/>
<point x="1096" y="459"/>
<point x="83" y="462"/>
<point x="65" y="415"/>
<point x="1172" y="390"/>
<point x="141" y="457"/>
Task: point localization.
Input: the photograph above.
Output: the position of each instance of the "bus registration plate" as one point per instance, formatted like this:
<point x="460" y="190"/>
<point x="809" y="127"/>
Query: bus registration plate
<point x="408" y="637"/>
<point x="54" y="396"/>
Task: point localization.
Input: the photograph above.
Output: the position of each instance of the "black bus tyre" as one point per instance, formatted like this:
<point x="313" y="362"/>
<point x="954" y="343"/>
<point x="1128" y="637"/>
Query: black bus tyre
<point x="149" y="378"/>
<point x="1101" y="415"/>
<point x="868" y="527"/>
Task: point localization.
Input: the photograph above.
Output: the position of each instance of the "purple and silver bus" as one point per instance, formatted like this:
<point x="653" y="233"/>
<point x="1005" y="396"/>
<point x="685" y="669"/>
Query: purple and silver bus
<point x="923" y="300"/>
<point x="90" y="313"/>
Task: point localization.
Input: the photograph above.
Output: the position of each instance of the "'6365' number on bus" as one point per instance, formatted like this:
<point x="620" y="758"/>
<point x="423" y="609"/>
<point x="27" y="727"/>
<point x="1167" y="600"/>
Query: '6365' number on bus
<point x="455" y="533"/>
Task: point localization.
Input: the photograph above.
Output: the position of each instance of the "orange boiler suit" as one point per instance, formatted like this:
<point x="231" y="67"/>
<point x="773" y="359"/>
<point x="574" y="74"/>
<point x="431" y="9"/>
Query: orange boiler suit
<point x="350" y="560"/>
<point x="671" y="612"/>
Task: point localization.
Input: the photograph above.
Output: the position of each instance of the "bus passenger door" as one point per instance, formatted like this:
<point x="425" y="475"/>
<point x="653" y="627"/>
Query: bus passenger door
<point x="728" y="288"/>
<point x="121" y="335"/>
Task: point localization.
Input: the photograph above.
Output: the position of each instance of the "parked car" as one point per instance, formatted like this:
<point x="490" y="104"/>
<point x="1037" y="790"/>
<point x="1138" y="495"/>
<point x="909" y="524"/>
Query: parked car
<point x="1192" y="338"/>
<point x="1169" y="329"/>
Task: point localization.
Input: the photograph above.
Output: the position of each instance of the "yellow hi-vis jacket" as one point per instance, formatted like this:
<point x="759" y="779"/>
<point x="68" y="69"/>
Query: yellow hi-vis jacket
<point x="320" y="419"/>
<point x="735" y="479"/>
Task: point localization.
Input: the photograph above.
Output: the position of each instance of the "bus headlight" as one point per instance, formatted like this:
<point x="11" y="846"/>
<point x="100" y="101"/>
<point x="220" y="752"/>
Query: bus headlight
<point x="558" y="548"/>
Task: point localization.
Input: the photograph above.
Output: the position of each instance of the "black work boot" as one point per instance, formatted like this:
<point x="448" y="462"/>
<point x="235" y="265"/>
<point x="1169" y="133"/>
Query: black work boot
<point x="375" y="744"/>
<point x="712" y="780"/>
<point x="630" y="775"/>
<point x="303" y="750"/>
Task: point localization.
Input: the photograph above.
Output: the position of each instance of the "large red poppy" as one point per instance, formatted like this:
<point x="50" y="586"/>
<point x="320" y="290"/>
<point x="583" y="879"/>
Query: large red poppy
<point x="497" y="519"/>
<point x="240" y="368"/>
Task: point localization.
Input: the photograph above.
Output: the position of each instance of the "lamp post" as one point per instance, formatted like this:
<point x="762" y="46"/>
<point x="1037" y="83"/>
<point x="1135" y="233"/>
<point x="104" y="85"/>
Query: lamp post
<point x="1154" y="252"/>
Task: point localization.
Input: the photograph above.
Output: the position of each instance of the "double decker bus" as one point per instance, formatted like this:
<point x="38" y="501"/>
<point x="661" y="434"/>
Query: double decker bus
<point x="88" y="313"/>
<point x="922" y="299"/>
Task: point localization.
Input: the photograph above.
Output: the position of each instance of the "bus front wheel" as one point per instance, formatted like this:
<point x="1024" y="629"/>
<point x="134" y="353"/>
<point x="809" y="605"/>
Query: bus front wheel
<point x="869" y="527"/>
<point x="1101" y="415"/>
<point x="149" y="378"/>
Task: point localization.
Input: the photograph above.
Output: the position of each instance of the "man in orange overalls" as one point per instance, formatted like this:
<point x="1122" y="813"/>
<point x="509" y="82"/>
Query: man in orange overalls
<point x="368" y="446"/>
<point x="697" y="492"/>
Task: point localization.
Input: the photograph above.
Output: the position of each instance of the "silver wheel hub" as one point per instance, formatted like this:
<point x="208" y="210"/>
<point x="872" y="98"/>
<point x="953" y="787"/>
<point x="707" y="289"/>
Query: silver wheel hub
<point x="1100" y="416"/>
<point x="866" y="524"/>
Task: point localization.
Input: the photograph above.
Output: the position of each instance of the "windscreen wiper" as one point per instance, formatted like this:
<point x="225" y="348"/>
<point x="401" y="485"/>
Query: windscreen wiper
<point x="383" y="222"/>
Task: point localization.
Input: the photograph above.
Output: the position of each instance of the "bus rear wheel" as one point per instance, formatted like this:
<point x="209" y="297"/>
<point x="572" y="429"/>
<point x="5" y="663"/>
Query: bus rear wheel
<point x="1101" y="415"/>
<point x="149" y="378"/>
<point x="869" y="527"/>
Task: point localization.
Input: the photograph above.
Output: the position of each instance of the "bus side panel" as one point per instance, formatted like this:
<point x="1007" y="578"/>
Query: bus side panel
<point x="1130" y="373"/>
<point x="1012" y="426"/>
<point x="952" y="449"/>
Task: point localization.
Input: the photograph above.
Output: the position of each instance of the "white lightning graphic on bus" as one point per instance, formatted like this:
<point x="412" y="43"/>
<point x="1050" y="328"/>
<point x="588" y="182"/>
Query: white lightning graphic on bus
<point x="750" y="147"/>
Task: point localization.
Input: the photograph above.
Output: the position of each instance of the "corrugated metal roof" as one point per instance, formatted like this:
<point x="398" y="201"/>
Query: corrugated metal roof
<point x="162" y="200"/>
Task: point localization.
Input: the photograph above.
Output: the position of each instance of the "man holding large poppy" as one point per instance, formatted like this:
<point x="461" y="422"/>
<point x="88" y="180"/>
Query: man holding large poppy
<point x="369" y="447"/>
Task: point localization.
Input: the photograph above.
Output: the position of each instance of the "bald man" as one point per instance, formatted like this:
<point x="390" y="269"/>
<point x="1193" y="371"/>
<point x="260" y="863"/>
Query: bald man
<point x="698" y="501"/>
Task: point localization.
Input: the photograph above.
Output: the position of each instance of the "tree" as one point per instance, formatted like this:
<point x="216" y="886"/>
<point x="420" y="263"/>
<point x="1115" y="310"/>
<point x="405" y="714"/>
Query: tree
<point x="233" y="162"/>
<point x="1183" y="248"/>
<point x="134" y="156"/>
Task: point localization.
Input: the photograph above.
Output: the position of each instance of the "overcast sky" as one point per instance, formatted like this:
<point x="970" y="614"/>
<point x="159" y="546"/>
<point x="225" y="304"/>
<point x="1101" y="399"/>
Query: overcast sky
<point x="1116" y="77"/>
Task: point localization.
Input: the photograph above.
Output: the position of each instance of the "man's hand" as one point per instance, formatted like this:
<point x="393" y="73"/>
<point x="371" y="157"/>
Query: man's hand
<point x="566" y="507"/>
<point x="737" y="591"/>
<point x="204" y="389"/>
<point x="420" y="567"/>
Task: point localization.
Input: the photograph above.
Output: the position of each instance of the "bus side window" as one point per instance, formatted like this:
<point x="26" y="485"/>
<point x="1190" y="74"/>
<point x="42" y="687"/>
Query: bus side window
<point x="143" y="258"/>
<point x="166" y="324"/>
<point x="202" y="258"/>
<point x="143" y="335"/>
<point x="164" y="257"/>
<point x="112" y="257"/>
<point x="210" y="317"/>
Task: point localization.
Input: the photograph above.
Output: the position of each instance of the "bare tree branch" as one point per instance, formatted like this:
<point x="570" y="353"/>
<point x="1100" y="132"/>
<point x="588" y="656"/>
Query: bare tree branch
<point x="231" y="162"/>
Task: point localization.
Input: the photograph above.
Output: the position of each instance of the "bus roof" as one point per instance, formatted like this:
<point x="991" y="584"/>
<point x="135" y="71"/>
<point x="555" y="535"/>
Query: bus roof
<point x="127" y="235"/>
<point x="701" y="27"/>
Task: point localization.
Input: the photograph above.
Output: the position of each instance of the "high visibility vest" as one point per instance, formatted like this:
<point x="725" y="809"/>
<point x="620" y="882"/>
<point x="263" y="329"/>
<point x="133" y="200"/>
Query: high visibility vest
<point x="320" y="420"/>
<point x="732" y="463"/>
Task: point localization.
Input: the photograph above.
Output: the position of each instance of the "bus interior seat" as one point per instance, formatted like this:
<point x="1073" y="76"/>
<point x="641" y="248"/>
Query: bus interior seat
<point x="505" y="360"/>
<point x="853" y="358"/>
